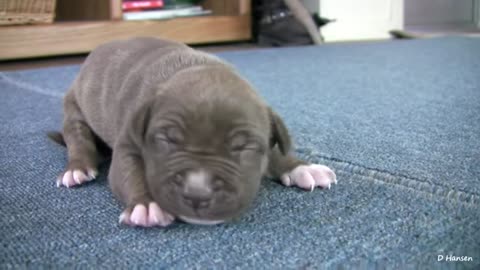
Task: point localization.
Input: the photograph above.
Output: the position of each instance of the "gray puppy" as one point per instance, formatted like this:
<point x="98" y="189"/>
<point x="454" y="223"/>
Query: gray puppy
<point x="191" y="139"/>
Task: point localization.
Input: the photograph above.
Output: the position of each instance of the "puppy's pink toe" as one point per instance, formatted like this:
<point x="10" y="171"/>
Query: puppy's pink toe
<point x="92" y="174"/>
<point x="139" y="215"/>
<point x="68" y="180"/>
<point x="74" y="177"/>
<point x="79" y="177"/>
<point x="154" y="214"/>
<point x="323" y="175"/>
<point x="304" y="180"/>
<point x="310" y="176"/>
<point x="144" y="216"/>
<point x="158" y="217"/>
<point x="285" y="178"/>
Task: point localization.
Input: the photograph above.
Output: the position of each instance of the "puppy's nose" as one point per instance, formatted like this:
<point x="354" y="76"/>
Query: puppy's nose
<point x="197" y="190"/>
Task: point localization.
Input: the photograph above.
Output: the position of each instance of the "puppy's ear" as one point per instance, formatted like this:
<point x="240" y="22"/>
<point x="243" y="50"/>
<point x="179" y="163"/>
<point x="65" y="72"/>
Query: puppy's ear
<point x="279" y="133"/>
<point x="139" y="124"/>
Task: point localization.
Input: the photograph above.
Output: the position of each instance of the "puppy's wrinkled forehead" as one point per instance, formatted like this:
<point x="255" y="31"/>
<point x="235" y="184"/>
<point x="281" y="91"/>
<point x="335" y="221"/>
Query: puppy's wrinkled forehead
<point x="209" y="100"/>
<point x="204" y="83"/>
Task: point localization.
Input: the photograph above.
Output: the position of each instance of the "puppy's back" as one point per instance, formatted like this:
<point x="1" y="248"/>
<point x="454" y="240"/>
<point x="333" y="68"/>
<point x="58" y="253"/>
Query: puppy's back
<point x="119" y="77"/>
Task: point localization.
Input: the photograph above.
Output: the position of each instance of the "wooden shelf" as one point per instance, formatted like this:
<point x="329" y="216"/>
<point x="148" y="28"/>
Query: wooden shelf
<point x="233" y="23"/>
<point x="81" y="37"/>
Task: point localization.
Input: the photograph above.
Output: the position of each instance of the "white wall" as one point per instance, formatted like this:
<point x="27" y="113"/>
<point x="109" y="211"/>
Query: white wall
<point x="359" y="20"/>
<point x="373" y="19"/>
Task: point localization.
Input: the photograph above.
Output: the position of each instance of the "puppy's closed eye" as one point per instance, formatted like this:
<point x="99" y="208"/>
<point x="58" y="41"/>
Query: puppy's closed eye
<point x="166" y="139"/>
<point x="171" y="135"/>
<point x="243" y="142"/>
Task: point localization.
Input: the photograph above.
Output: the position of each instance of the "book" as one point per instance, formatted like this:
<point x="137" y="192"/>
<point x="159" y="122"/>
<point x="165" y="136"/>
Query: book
<point x="142" y="5"/>
<point x="166" y="13"/>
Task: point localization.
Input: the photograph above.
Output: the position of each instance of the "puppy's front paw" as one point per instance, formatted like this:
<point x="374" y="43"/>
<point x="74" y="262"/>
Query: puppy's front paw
<point x="146" y="216"/>
<point x="310" y="176"/>
<point x="76" y="176"/>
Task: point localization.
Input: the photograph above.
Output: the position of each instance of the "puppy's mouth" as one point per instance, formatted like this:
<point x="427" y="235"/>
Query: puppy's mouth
<point x="219" y="210"/>
<point x="197" y="197"/>
<point x="218" y="207"/>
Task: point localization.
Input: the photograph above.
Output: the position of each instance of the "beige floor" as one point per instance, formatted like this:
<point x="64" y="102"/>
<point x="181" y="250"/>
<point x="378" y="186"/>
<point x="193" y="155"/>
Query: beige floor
<point x="78" y="59"/>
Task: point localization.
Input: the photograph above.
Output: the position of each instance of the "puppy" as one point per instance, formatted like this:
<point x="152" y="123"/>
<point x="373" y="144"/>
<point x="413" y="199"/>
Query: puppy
<point x="190" y="138"/>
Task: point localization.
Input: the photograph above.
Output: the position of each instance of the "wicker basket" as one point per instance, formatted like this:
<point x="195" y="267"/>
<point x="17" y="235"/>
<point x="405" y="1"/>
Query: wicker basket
<point x="26" y="11"/>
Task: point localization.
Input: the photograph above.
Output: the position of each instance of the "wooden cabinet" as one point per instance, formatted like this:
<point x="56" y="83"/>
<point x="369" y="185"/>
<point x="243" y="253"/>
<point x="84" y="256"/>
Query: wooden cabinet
<point x="80" y="26"/>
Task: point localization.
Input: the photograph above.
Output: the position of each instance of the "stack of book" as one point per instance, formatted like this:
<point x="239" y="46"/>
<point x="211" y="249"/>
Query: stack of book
<point x="134" y="10"/>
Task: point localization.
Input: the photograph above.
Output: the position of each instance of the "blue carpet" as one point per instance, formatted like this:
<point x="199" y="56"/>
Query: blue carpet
<point x="399" y="121"/>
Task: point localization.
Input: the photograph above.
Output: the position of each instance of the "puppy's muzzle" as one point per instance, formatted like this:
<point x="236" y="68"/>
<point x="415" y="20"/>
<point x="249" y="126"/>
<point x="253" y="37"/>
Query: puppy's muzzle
<point x="197" y="190"/>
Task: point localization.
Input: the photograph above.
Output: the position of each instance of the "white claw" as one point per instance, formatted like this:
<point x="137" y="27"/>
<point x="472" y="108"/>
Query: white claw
<point x="64" y="178"/>
<point x="77" y="175"/>
<point x="155" y="219"/>
<point x="91" y="175"/>
<point x="65" y="183"/>
<point x="310" y="176"/>
<point x="122" y="218"/>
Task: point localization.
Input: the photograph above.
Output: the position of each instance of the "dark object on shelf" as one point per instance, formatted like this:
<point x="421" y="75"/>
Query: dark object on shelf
<point x="319" y="21"/>
<point x="402" y="34"/>
<point x="276" y="25"/>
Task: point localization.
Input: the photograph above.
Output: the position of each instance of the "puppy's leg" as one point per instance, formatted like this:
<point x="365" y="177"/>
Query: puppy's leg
<point x="82" y="152"/>
<point x="127" y="180"/>
<point x="292" y="171"/>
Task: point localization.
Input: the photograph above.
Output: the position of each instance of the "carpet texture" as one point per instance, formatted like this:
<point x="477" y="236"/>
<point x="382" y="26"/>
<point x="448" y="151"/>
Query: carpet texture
<point x="398" y="121"/>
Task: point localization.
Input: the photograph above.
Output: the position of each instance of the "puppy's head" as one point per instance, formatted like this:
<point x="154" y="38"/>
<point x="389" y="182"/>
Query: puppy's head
<point x="205" y="142"/>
